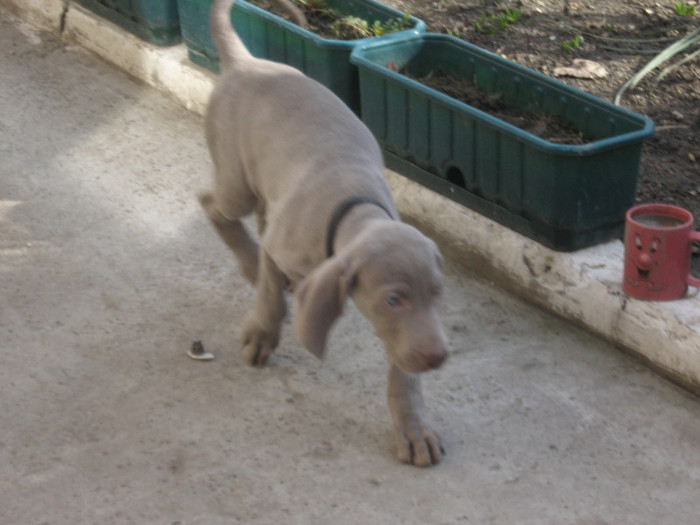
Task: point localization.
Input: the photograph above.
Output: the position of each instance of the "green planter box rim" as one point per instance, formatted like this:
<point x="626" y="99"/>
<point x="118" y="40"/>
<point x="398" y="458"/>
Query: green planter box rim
<point x="271" y="37"/>
<point x="566" y="196"/>
<point x="418" y="27"/>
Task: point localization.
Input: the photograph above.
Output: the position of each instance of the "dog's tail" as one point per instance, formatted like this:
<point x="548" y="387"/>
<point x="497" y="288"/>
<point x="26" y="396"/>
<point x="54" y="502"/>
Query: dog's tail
<point x="225" y="37"/>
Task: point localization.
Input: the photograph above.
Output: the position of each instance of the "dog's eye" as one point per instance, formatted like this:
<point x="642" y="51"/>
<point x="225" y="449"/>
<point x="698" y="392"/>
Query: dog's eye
<point x="393" y="300"/>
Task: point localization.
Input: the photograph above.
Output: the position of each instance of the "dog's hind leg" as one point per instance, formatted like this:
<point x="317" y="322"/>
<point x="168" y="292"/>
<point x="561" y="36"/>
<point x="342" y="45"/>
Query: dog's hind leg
<point x="235" y="235"/>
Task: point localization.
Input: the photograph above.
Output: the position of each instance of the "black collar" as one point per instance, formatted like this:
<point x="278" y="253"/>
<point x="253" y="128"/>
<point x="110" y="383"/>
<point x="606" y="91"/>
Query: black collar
<point x="340" y="211"/>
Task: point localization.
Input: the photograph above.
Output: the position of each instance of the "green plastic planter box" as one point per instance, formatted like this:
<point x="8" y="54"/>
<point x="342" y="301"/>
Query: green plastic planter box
<point x="153" y="20"/>
<point x="564" y="196"/>
<point x="272" y="37"/>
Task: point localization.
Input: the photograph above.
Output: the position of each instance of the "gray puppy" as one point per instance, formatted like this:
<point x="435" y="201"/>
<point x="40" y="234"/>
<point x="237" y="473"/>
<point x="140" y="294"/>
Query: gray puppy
<point x="288" y="149"/>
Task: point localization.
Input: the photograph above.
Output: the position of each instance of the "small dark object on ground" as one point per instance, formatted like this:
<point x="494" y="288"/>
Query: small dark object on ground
<point x="197" y="352"/>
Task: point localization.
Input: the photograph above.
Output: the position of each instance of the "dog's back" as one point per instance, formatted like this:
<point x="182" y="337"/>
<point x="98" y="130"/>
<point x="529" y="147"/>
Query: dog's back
<point x="290" y="138"/>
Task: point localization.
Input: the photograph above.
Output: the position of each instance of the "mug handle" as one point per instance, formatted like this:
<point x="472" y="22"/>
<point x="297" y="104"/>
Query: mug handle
<point x="694" y="237"/>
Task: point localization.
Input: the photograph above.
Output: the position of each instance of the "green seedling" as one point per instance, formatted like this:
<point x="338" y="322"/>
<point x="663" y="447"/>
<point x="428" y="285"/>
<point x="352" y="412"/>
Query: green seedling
<point x="684" y="9"/>
<point x="353" y="27"/>
<point x="572" y="44"/>
<point x="495" y="22"/>
<point x="393" y="25"/>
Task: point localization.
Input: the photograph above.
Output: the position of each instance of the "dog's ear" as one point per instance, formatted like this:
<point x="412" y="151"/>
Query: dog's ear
<point x="320" y="298"/>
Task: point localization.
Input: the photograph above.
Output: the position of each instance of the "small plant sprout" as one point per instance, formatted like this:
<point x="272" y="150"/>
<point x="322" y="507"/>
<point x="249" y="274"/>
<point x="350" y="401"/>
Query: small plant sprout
<point x="684" y="9"/>
<point x="393" y="25"/>
<point x="494" y="22"/>
<point x="353" y="27"/>
<point x="572" y="44"/>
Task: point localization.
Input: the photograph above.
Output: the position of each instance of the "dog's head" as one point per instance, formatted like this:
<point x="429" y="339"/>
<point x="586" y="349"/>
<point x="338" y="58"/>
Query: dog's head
<point x="393" y="273"/>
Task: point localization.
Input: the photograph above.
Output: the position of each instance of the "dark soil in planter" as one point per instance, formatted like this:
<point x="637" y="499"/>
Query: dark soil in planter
<point x="670" y="169"/>
<point x="548" y="127"/>
<point x="325" y="22"/>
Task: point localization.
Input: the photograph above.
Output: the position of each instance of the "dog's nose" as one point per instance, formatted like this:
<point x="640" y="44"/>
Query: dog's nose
<point x="435" y="358"/>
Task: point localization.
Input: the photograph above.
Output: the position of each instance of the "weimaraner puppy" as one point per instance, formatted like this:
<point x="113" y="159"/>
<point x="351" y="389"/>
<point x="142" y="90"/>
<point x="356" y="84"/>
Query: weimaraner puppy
<point x="286" y="148"/>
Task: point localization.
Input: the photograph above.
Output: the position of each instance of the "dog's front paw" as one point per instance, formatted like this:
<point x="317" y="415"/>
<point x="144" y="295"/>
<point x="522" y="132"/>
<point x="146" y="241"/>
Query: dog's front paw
<point x="417" y="443"/>
<point x="258" y="343"/>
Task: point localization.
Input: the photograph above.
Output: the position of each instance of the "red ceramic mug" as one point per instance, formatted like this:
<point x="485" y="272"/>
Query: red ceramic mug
<point x="658" y="238"/>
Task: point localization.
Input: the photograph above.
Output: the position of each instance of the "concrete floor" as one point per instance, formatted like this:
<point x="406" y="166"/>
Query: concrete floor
<point x="108" y="271"/>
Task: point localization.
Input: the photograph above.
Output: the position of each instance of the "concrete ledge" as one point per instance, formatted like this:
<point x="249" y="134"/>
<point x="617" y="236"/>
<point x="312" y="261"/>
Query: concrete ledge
<point x="583" y="287"/>
<point x="165" y="68"/>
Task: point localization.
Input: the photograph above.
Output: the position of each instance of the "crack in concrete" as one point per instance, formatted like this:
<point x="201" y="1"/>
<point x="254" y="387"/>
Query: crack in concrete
<point x="64" y="16"/>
